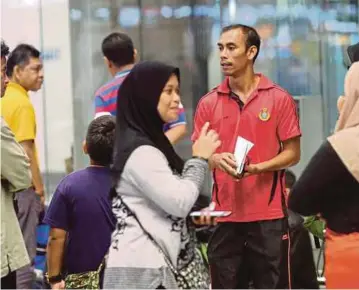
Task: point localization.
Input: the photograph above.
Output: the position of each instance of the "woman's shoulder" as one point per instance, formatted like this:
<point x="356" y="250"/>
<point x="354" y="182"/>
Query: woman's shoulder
<point x="145" y="154"/>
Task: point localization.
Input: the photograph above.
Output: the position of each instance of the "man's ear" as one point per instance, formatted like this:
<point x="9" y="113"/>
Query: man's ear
<point x="16" y="72"/>
<point x="107" y="62"/>
<point x="252" y="52"/>
<point x="135" y="54"/>
<point x="84" y="147"/>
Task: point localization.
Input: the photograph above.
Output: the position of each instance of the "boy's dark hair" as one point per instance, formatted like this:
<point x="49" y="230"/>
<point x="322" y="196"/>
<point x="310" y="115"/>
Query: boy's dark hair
<point x="290" y="179"/>
<point x="100" y="140"/>
<point x="252" y="36"/>
<point x="21" y="56"/>
<point x="4" y="49"/>
<point x="118" y="48"/>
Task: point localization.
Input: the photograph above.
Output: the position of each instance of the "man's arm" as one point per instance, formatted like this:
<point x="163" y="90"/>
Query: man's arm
<point x="176" y="130"/>
<point x="289" y="156"/>
<point x="15" y="167"/>
<point x="58" y="218"/>
<point x="29" y="147"/>
<point x="289" y="133"/>
<point x="55" y="251"/>
<point x="176" y="133"/>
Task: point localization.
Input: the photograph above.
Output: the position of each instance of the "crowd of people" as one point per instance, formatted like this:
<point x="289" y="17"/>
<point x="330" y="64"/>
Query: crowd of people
<point x="124" y="222"/>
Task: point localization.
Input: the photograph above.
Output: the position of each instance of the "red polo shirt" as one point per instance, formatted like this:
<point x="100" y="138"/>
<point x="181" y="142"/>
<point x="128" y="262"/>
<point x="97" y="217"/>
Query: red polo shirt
<point x="268" y="118"/>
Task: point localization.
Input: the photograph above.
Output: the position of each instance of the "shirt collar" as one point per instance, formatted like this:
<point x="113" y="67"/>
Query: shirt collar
<point x="122" y="73"/>
<point x="264" y="84"/>
<point x="15" y="86"/>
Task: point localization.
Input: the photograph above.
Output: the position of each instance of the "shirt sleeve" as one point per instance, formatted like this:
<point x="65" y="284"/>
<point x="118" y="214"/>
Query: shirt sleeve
<point x="57" y="215"/>
<point x="288" y="121"/>
<point x="177" y="194"/>
<point x="200" y="118"/>
<point x="24" y="126"/>
<point x="324" y="172"/>
<point x="15" y="166"/>
<point x="180" y="121"/>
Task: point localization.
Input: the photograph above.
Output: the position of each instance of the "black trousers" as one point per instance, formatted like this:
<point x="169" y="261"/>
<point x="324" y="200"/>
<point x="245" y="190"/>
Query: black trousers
<point x="9" y="281"/>
<point x="303" y="271"/>
<point x="257" y="252"/>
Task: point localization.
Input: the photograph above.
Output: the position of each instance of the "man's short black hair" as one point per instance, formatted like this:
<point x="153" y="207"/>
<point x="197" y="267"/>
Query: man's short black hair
<point x="21" y="56"/>
<point x="118" y="48"/>
<point x="252" y="36"/>
<point x="100" y="140"/>
<point x="4" y="49"/>
<point x="290" y="179"/>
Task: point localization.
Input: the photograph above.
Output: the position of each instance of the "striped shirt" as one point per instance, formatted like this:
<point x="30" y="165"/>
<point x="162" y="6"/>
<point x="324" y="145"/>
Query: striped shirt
<point x="106" y="97"/>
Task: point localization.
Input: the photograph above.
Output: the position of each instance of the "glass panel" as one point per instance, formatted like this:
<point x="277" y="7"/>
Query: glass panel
<point x="302" y="50"/>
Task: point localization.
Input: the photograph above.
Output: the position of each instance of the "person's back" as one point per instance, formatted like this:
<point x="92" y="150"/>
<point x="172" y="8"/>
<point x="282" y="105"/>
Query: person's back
<point x="80" y="213"/>
<point x="302" y="266"/>
<point x="83" y="209"/>
<point x="120" y="57"/>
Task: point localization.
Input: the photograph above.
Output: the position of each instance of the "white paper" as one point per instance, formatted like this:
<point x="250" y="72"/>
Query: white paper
<point x="243" y="146"/>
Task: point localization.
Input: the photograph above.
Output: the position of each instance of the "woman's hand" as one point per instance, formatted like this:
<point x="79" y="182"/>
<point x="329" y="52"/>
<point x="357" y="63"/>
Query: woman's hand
<point x="206" y="144"/>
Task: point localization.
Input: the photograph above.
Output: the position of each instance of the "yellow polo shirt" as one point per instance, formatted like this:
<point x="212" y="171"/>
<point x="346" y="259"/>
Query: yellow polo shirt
<point x="18" y="112"/>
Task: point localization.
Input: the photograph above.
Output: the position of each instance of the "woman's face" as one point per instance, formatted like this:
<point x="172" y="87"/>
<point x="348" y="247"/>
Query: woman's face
<point x="169" y="103"/>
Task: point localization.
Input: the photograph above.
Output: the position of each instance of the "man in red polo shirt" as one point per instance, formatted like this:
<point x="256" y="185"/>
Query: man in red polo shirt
<point x="252" y="243"/>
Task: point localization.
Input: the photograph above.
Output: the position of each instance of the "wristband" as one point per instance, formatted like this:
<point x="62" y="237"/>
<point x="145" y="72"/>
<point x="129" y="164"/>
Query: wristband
<point x="201" y="158"/>
<point x="54" y="279"/>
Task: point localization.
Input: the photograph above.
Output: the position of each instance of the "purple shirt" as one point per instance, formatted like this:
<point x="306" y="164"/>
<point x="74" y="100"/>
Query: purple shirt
<point x="81" y="206"/>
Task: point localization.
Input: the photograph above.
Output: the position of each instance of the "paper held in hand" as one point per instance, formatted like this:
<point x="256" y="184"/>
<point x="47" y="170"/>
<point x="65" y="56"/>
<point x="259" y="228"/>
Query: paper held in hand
<point x="242" y="148"/>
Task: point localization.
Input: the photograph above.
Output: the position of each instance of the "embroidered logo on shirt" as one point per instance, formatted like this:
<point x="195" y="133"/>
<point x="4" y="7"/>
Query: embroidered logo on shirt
<point x="264" y="115"/>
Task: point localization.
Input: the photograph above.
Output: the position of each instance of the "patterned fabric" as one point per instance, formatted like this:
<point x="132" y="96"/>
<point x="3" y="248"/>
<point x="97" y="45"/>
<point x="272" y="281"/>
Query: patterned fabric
<point x="191" y="272"/>
<point x="86" y="280"/>
<point x="195" y="275"/>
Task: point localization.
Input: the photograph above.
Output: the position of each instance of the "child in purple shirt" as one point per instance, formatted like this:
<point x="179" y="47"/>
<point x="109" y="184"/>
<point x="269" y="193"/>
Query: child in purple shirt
<point x="80" y="214"/>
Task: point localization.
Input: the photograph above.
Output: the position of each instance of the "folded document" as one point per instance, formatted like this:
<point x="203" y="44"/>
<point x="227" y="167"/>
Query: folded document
<point x="243" y="146"/>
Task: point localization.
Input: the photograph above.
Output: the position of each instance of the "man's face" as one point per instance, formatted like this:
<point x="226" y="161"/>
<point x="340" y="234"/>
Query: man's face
<point x="31" y="75"/>
<point x="233" y="53"/>
<point x="4" y="79"/>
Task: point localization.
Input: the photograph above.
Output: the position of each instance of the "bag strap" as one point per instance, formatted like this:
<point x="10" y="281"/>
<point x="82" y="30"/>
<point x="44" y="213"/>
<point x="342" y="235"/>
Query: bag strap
<point x="167" y="259"/>
<point x="99" y="269"/>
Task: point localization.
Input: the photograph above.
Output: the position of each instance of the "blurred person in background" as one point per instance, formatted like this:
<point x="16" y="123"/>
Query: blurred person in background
<point x="302" y="266"/>
<point x="80" y="215"/>
<point x="24" y="68"/>
<point x="329" y="186"/>
<point x="251" y="244"/>
<point x="154" y="189"/>
<point x="4" y="79"/>
<point x="120" y="57"/>
<point x="15" y="176"/>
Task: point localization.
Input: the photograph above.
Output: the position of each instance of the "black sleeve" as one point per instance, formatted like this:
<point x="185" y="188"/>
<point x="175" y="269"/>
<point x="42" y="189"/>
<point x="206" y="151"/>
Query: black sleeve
<point x="323" y="173"/>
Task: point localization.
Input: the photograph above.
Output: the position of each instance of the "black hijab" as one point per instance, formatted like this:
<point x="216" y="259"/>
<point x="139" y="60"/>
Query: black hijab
<point x="138" y="121"/>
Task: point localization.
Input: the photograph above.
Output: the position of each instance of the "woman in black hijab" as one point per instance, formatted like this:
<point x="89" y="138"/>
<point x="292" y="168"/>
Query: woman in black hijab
<point x="154" y="189"/>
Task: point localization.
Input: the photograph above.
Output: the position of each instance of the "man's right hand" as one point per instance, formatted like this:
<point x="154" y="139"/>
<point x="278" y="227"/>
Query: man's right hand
<point x="225" y="162"/>
<point x="41" y="196"/>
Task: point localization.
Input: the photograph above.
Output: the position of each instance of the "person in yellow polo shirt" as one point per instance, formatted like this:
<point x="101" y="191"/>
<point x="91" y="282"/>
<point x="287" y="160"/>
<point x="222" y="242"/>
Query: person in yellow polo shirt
<point x="24" y="68"/>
